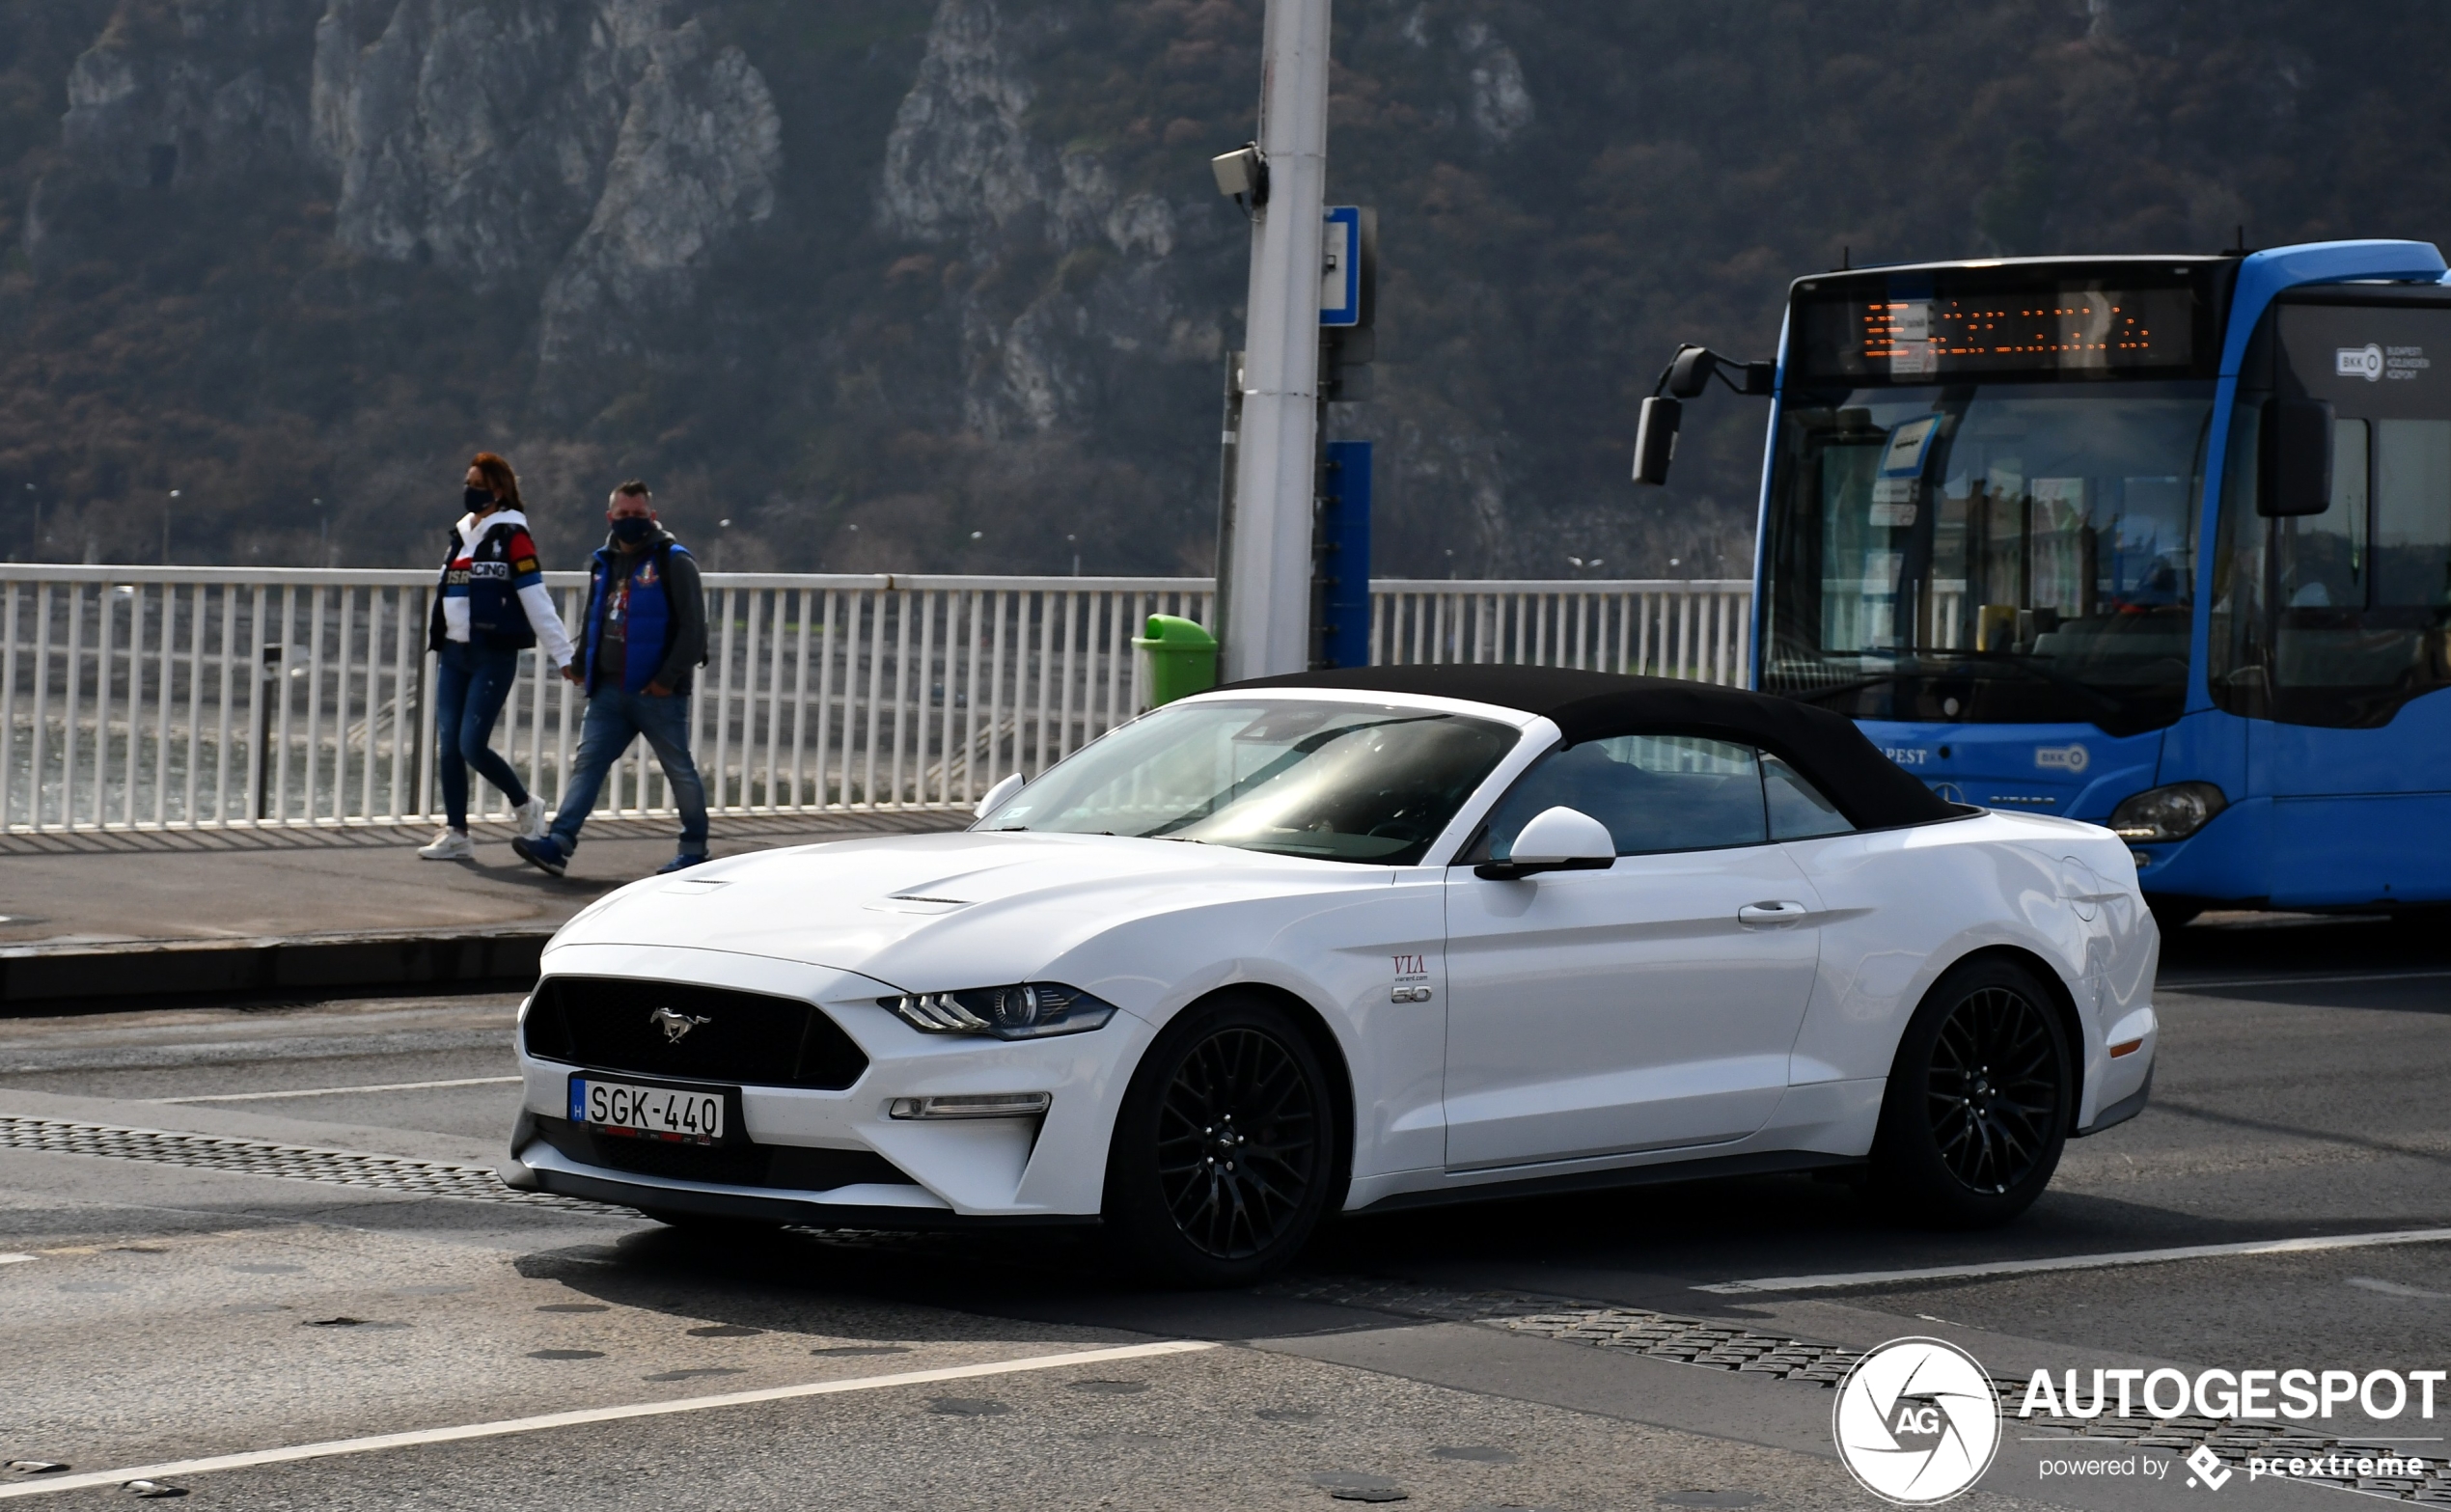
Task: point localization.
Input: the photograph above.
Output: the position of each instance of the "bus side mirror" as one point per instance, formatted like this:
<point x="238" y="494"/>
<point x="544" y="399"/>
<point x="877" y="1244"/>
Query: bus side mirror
<point x="1690" y="374"/>
<point x="1655" y="439"/>
<point x="2297" y="458"/>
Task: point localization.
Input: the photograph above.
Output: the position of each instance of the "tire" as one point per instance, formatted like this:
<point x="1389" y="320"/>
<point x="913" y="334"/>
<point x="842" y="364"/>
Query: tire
<point x="1979" y="1103"/>
<point x="1225" y="1149"/>
<point x="2171" y="915"/>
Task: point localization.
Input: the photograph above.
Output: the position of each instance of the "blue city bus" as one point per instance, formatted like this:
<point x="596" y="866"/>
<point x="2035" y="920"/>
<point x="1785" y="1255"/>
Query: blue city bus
<point x="2164" y="543"/>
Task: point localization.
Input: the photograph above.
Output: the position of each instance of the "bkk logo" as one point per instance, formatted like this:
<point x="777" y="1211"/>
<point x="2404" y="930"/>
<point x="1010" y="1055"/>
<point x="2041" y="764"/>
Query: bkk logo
<point x="1916" y="1422"/>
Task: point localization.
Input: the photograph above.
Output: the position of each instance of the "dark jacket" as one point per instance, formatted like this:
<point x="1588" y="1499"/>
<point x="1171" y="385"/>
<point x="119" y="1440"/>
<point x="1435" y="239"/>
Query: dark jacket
<point x="486" y="573"/>
<point x="667" y="632"/>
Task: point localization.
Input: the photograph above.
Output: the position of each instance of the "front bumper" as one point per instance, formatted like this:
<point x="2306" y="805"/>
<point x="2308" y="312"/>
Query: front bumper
<point x="872" y="1206"/>
<point x="886" y="1173"/>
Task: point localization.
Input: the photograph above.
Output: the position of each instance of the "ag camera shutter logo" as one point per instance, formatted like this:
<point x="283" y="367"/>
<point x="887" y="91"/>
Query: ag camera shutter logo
<point x="2358" y="361"/>
<point x="1917" y="1421"/>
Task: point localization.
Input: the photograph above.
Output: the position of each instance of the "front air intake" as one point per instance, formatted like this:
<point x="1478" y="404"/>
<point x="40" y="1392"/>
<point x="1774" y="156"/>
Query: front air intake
<point x="698" y="1033"/>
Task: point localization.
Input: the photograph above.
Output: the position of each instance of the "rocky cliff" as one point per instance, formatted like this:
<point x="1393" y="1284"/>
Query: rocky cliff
<point x="942" y="284"/>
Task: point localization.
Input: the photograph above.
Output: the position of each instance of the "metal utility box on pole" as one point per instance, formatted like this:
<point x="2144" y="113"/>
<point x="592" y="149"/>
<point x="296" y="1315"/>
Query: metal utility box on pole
<point x="1269" y="628"/>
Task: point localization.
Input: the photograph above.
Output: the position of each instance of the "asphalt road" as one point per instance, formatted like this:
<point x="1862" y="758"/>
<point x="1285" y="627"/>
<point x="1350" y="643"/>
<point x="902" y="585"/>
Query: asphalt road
<point x="1468" y="1357"/>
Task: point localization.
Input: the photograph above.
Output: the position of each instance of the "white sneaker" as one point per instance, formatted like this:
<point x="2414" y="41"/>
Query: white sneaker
<point x="449" y="844"/>
<point x="531" y="818"/>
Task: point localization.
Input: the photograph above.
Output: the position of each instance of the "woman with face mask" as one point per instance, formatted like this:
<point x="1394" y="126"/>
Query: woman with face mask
<point x="493" y="604"/>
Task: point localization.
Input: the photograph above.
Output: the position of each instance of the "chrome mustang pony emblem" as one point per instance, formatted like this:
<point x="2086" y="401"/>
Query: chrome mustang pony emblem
<point x="674" y="1025"/>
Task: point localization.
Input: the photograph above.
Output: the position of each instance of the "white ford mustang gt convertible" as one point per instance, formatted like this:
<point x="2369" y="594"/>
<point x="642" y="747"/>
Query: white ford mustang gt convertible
<point x="1350" y="941"/>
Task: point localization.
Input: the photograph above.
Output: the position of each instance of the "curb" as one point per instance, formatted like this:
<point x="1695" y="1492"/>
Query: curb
<point x="54" y="978"/>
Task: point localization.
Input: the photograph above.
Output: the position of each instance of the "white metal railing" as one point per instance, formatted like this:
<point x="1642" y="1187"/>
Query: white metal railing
<point x="175" y="697"/>
<point x="1663" y="627"/>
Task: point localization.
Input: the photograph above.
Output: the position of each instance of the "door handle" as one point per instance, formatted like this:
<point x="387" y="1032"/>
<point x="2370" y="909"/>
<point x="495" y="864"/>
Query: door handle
<point x="1771" y="915"/>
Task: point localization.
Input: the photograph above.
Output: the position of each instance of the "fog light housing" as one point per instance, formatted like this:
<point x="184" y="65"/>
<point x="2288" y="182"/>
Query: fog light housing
<point x="2167" y="813"/>
<point x="970" y="1104"/>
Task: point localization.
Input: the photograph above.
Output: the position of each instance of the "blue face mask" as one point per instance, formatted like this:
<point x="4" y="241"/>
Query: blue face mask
<point x="632" y="529"/>
<point x="478" y="497"/>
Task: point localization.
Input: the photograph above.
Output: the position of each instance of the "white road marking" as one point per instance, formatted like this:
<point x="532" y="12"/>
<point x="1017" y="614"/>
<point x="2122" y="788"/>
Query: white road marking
<point x="330" y="1091"/>
<point x="2297" y="981"/>
<point x="593" y="1415"/>
<point x="2080" y="1262"/>
<point x="14" y="1259"/>
<point x="2376" y="1283"/>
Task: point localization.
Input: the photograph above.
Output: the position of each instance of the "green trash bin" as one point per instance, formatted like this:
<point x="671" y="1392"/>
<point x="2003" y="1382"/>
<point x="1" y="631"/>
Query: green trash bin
<point x="1181" y="657"/>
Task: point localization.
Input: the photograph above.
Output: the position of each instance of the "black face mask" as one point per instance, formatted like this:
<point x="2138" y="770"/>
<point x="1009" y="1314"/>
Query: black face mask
<point x="631" y="529"/>
<point x="480" y="498"/>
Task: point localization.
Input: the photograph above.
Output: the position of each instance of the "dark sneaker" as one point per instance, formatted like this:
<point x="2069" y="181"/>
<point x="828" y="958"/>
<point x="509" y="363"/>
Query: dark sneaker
<point x="542" y="854"/>
<point x="678" y="864"/>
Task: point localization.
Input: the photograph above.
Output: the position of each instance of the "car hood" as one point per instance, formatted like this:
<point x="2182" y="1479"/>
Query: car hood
<point x="924" y="913"/>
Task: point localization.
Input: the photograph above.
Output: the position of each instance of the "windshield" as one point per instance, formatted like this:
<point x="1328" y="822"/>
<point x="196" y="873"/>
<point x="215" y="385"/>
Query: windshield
<point x="1993" y="553"/>
<point x="1340" y="781"/>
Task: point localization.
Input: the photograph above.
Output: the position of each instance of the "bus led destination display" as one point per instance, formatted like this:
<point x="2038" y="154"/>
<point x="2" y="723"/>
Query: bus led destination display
<point x="1909" y="328"/>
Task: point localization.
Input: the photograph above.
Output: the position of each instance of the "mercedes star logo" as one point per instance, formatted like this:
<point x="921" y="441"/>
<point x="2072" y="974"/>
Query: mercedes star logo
<point x="674" y="1025"/>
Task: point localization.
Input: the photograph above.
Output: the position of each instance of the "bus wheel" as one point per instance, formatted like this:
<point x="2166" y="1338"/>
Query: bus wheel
<point x="2171" y="913"/>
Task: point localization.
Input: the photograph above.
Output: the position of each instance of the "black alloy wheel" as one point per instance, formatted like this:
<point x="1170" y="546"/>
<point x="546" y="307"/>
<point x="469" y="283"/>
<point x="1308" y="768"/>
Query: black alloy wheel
<point x="1994" y="1091"/>
<point x="1225" y="1147"/>
<point x="1980" y="1099"/>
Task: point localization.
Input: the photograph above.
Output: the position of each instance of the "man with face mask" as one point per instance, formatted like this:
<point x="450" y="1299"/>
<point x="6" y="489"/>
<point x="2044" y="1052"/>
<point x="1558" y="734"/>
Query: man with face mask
<point x="642" y="641"/>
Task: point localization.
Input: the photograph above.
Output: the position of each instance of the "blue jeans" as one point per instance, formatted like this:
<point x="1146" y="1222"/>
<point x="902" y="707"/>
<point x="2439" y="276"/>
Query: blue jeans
<point x="471" y="684"/>
<point x="615" y="719"/>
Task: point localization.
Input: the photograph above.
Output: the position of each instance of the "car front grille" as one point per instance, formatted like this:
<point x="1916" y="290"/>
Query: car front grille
<point x="625" y="1024"/>
<point x="741" y="1163"/>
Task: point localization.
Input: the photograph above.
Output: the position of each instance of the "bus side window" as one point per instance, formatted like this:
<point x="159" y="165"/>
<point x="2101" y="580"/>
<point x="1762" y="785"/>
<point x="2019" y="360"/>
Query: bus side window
<point x="2323" y="556"/>
<point x="2358" y="598"/>
<point x="2412" y="513"/>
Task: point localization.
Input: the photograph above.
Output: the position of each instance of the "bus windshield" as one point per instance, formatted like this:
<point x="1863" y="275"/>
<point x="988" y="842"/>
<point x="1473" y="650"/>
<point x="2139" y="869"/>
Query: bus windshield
<point x="1986" y="552"/>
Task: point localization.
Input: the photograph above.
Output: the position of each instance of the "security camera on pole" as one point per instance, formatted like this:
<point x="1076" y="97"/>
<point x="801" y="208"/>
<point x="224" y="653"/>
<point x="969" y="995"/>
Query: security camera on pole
<point x="1281" y="179"/>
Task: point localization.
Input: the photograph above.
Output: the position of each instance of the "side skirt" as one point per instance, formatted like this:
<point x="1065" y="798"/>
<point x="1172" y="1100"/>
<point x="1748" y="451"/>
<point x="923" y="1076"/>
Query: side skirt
<point x="1766" y="1162"/>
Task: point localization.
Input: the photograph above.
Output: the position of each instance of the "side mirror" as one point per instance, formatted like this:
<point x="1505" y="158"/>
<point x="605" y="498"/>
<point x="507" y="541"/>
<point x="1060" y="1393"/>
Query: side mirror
<point x="998" y="795"/>
<point x="1557" y="839"/>
<point x="2297" y="458"/>
<point x="1690" y="373"/>
<point x="1655" y="439"/>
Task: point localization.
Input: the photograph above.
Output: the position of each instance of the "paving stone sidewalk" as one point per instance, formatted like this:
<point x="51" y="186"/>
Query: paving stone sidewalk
<point x="86" y="892"/>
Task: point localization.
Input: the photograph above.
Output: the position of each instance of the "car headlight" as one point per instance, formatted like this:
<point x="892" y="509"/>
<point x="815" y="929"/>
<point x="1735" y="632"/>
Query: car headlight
<point x="1032" y="1010"/>
<point x="2167" y="813"/>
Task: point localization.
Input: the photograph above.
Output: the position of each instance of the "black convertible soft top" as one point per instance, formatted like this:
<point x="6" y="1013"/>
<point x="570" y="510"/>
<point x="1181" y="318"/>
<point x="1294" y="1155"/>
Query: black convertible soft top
<point x="1870" y="789"/>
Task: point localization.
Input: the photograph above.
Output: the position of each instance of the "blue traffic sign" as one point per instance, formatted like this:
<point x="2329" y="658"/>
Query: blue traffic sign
<point x="1340" y="267"/>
